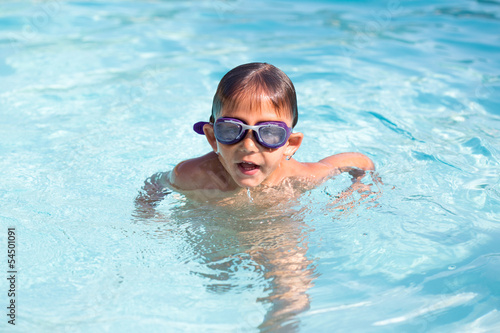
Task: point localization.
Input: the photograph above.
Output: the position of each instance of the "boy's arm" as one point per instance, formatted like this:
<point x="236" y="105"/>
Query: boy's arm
<point x="151" y="193"/>
<point x="355" y="164"/>
<point x="344" y="160"/>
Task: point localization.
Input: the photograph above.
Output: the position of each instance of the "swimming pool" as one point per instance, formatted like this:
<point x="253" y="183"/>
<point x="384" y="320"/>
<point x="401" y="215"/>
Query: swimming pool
<point x="96" y="96"/>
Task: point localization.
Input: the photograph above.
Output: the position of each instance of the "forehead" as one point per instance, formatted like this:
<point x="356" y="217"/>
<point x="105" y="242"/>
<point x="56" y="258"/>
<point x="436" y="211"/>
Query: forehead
<point x="255" y="110"/>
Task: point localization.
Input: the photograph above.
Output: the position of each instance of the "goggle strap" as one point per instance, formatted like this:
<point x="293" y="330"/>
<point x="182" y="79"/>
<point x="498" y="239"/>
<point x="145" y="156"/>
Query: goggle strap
<point x="198" y="127"/>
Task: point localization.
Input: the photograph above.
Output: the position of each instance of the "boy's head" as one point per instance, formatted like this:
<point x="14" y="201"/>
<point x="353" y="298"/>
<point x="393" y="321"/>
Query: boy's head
<point x="256" y="83"/>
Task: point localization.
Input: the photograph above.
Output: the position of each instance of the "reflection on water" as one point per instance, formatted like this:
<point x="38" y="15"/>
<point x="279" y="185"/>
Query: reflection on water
<point x="258" y="244"/>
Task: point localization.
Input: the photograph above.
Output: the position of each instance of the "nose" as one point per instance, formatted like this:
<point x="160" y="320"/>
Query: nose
<point x="249" y="144"/>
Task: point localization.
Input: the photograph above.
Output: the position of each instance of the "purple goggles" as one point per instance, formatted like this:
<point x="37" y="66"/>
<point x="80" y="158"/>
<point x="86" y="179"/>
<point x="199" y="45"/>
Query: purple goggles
<point x="270" y="134"/>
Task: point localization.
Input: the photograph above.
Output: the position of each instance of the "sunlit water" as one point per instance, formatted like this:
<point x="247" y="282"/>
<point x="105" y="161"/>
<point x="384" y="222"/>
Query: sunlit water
<point x="97" y="96"/>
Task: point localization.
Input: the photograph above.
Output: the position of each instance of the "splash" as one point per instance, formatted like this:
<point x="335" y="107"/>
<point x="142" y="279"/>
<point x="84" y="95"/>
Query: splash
<point x="249" y="195"/>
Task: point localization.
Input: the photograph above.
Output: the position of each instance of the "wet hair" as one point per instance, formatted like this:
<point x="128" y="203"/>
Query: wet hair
<point x="256" y="82"/>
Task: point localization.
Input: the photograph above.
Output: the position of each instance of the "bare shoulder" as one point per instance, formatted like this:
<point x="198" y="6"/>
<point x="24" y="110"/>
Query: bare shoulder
<point x="353" y="160"/>
<point x="203" y="172"/>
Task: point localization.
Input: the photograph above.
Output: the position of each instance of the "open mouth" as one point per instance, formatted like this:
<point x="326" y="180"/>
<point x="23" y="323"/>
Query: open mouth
<point x="248" y="168"/>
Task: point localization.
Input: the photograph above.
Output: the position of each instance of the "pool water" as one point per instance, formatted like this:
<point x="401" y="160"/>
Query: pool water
<point x="96" y="96"/>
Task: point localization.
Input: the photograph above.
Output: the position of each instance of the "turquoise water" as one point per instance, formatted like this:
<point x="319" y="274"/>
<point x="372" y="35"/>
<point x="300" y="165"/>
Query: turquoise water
<point x="97" y="96"/>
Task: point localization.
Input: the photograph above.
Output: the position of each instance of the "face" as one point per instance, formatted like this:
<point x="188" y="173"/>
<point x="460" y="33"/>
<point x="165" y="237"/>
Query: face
<point x="247" y="162"/>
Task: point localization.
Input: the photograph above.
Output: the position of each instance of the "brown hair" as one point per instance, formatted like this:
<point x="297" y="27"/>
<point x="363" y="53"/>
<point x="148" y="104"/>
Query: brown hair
<point x="258" y="82"/>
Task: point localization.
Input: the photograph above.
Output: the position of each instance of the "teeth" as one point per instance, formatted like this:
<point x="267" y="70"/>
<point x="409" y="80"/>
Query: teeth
<point x="248" y="166"/>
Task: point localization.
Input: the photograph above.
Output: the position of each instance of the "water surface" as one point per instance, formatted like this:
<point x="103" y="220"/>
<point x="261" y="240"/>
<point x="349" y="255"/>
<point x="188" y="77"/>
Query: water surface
<point x="97" y="96"/>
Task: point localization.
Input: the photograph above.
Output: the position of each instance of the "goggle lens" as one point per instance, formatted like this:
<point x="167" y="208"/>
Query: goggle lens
<point x="272" y="135"/>
<point x="227" y="132"/>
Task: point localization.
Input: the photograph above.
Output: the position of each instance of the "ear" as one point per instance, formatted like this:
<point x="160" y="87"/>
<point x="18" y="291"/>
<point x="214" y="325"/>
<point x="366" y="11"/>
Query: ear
<point x="208" y="129"/>
<point x="294" y="142"/>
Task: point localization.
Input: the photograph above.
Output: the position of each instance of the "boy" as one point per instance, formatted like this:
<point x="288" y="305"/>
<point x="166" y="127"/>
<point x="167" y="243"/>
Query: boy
<point x="250" y="131"/>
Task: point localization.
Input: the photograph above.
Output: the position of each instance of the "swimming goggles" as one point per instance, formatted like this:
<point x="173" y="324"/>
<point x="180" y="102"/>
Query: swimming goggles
<point x="270" y="134"/>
